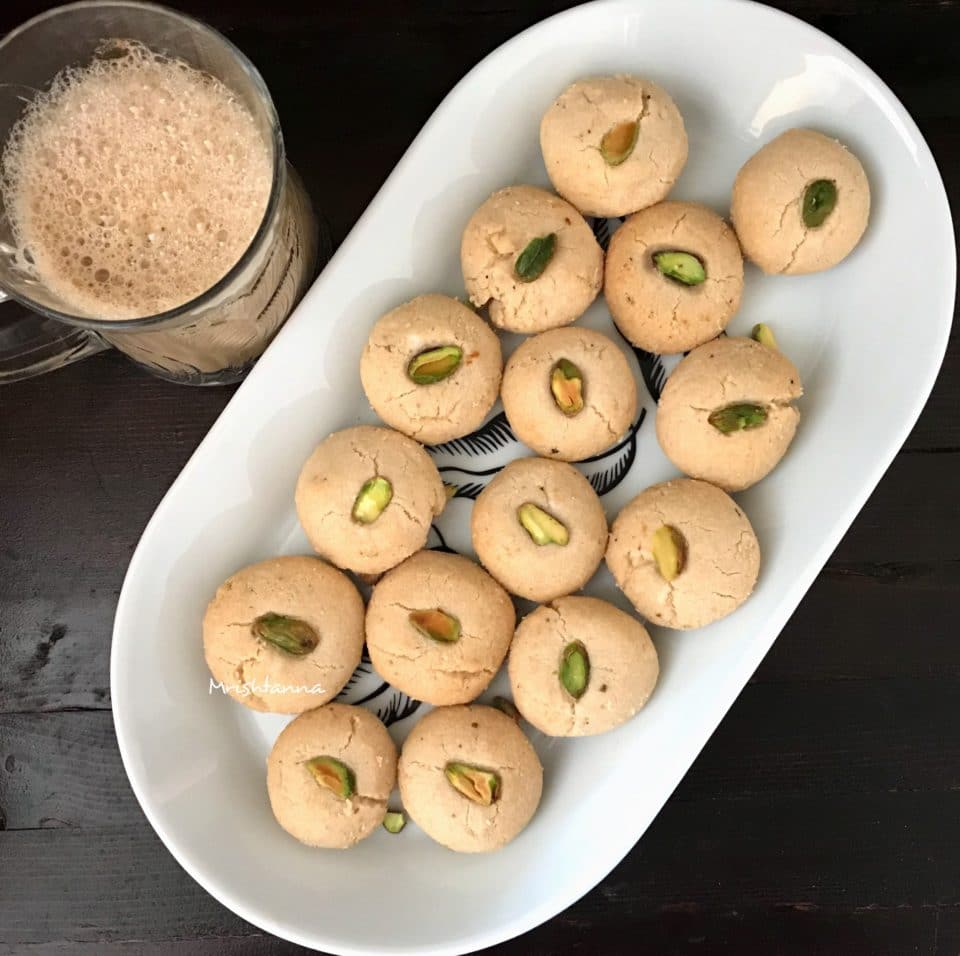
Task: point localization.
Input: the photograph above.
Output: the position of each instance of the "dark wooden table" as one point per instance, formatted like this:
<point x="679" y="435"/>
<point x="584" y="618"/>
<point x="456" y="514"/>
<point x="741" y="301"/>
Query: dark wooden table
<point x="824" y="815"/>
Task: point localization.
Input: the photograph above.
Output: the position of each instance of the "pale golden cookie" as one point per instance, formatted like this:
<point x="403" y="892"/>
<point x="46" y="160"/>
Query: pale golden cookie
<point x="365" y="756"/>
<point x="721" y="556"/>
<point x="402" y="493"/>
<point x="441" y="329"/>
<point x="600" y="378"/>
<point x="318" y="602"/>
<point x="572" y="136"/>
<point x="719" y="379"/>
<point x="554" y="497"/>
<point x="493" y="241"/>
<point x="622" y="667"/>
<point x="471" y="633"/>
<point x="768" y="203"/>
<point x="474" y="737"/>
<point x="659" y="313"/>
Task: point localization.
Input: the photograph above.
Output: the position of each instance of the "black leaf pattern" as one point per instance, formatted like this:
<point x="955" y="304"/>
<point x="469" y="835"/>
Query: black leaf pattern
<point x="653" y="373"/>
<point x="604" y="472"/>
<point x="470" y="489"/>
<point x="601" y="231"/>
<point x="388" y="703"/>
<point x="398" y="708"/>
<point x="471" y="486"/>
<point x="381" y="688"/>
<point x="357" y="675"/>
<point x="442" y="546"/>
<point x="489" y="437"/>
<point x="604" y="481"/>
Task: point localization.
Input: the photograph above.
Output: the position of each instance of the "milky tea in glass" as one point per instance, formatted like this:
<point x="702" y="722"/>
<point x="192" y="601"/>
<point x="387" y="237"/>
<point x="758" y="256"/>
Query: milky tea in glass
<point x="146" y="202"/>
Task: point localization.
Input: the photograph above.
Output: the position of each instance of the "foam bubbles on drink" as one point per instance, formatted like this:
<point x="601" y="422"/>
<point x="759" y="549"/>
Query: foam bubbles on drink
<point x="134" y="183"/>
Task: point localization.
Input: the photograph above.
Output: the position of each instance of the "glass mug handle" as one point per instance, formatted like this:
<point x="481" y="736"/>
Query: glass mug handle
<point x="32" y="344"/>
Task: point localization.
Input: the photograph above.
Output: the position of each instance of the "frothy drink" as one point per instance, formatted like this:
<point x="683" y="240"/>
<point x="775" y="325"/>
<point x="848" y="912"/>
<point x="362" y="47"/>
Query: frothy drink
<point x="131" y="186"/>
<point x="134" y="183"/>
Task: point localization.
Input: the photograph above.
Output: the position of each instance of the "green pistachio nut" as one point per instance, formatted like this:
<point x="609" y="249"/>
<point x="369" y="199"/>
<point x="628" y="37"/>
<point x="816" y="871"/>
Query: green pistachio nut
<point x="566" y="384"/>
<point x="333" y="775"/>
<point x="575" y="669"/>
<point x="619" y="141"/>
<point x="434" y="365"/>
<point x="535" y="257"/>
<point x="763" y="334"/>
<point x="739" y="417"/>
<point x="476" y="784"/>
<point x="543" y="528"/>
<point x="682" y="267"/>
<point x="669" y="551"/>
<point x="287" y="634"/>
<point x="371" y="500"/>
<point x="437" y="625"/>
<point x="819" y="199"/>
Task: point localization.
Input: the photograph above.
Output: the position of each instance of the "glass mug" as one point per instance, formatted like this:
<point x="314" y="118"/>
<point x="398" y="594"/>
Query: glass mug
<point x="215" y="337"/>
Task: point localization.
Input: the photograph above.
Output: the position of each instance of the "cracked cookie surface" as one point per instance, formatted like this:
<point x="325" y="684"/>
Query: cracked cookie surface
<point x="300" y="587"/>
<point x="439" y="411"/>
<point x="722" y="554"/>
<point x="439" y="672"/>
<point x="333" y="476"/>
<point x="767" y="203"/>
<point x="609" y="394"/>
<point x="313" y="814"/>
<point x="500" y="230"/>
<point x="506" y="549"/>
<point x="660" y="314"/>
<point x="571" y="132"/>
<point x="481" y="737"/>
<point x="725" y="372"/>
<point x="623" y="667"/>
